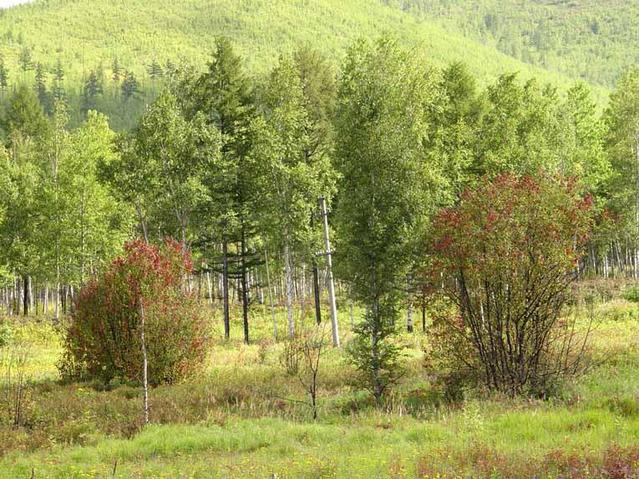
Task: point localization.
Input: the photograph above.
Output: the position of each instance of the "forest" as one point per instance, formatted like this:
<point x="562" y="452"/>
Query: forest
<point x="377" y="265"/>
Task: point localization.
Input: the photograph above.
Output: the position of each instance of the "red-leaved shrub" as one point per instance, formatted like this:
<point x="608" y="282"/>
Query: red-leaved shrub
<point x="508" y="254"/>
<point x="103" y="338"/>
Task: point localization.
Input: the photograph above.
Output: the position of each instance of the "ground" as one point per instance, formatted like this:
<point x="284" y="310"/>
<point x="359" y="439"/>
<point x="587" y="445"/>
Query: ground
<point x="244" y="416"/>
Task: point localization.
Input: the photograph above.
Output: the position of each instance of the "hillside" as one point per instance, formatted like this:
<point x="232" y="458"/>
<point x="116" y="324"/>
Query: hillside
<point x="86" y="34"/>
<point x="590" y="39"/>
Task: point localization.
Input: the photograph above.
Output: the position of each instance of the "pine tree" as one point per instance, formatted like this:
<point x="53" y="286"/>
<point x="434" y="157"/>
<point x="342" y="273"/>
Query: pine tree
<point x="4" y="74"/>
<point x="91" y="91"/>
<point x="58" y="82"/>
<point x="155" y="70"/>
<point x="44" y="96"/>
<point x="25" y="59"/>
<point x="117" y="70"/>
<point x="130" y="86"/>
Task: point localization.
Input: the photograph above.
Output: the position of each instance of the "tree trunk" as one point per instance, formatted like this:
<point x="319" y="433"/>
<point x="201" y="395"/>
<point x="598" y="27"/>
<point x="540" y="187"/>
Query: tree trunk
<point x="329" y="272"/>
<point x="288" y="273"/>
<point x="145" y="365"/>
<point x="316" y="293"/>
<point x="225" y="289"/>
<point x="270" y="296"/>
<point x="244" y="284"/>
<point x="25" y="295"/>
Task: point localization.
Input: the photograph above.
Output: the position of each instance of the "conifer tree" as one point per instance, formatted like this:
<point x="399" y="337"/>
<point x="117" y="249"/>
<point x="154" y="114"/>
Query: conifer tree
<point x="25" y="59"/>
<point x="91" y="92"/>
<point x="223" y="95"/>
<point x="58" y="82"/>
<point x="4" y="74"/>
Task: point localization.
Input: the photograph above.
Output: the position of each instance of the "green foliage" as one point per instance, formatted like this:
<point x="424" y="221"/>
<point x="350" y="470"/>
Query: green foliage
<point x="386" y="191"/>
<point x="126" y="43"/>
<point x="103" y="337"/>
<point x="622" y="145"/>
<point x="6" y="333"/>
<point x="587" y="39"/>
<point x="25" y="114"/>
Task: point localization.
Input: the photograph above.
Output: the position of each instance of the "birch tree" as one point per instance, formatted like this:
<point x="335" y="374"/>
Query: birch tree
<point x="386" y="190"/>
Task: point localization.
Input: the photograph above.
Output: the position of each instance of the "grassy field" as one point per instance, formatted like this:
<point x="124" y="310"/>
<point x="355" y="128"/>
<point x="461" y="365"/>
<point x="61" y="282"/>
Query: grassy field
<point x="245" y="417"/>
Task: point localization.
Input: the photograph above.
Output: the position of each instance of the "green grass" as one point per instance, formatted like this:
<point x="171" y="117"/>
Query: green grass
<point x="242" y="417"/>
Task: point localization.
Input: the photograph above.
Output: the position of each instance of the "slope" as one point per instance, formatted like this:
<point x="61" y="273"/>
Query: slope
<point x="88" y="34"/>
<point x="590" y="39"/>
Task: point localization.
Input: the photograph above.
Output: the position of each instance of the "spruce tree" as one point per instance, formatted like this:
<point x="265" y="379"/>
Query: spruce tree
<point x="130" y="86"/>
<point x="91" y="91"/>
<point x="4" y="74"/>
<point x="58" y="82"/>
<point x="25" y="59"/>
<point x="44" y="96"/>
<point x="223" y="95"/>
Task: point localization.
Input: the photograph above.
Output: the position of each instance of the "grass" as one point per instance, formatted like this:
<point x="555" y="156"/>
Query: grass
<point x="242" y="417"/>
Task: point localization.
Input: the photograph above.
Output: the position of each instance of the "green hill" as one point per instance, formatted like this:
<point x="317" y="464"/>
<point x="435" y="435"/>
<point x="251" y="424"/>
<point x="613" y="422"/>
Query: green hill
<point x="85" y="34"/>
<point x="590" y="39"/>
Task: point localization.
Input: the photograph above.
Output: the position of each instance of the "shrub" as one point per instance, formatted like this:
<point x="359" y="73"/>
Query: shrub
<point x="510" y="250"/>
<point x="103" y="338"/>
<point x="5" y="333"/>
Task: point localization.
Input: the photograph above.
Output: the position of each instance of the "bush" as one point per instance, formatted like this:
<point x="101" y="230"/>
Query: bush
<point x="5" y="333"/>
<point x="510" y="251"/>
<point x="103" y="339"/>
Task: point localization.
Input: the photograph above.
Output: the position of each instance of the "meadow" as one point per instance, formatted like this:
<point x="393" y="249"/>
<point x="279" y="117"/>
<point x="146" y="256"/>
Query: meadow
<point x="245" y="416"/>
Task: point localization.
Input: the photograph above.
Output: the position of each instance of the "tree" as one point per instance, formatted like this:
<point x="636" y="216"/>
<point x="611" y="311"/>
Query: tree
<point x="58" y="82"/>
<point x="385" y="193"/>
<point x="155" y="70"/>
<point x="25" y="114"/>
<point x="297" y="177"/>
<point x="520" y="130"/>
<point x="130" y="86"/>
<point x="94" y="225"/>
<point x="456" y="126"/>
<point x="41" y="89"/>
<point x="117" y="70"/>
<point x="182" y="151"/>
<point x="507" y="253"/>
<point x="4" y="74"/>
<point x="91" y="92"/>
<point x="223" y="95"/>
<point x="27" y="126"/>
<point x="25" y="59"/>
<point x="622" y="146"/>
<point x="319" y="95"/>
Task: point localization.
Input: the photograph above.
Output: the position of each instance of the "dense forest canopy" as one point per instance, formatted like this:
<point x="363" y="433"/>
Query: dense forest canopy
<point x="590" y="39"/>
<point x="96" y="46"/>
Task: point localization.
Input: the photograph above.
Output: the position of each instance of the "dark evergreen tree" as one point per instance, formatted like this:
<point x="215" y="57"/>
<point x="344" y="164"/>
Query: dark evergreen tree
<point x="117" y="70"/>
<point x="58" y="82"/>
<point x="25" y="114"/>
<point x="4" y="74"/>
<point x="25" y="59"/>
<point x="130" y="86"/>
<point x="155" y="70"/>
<point x="91" y="91"/>
<point x="223" y="95"/>
<point x="44" y="96"/>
